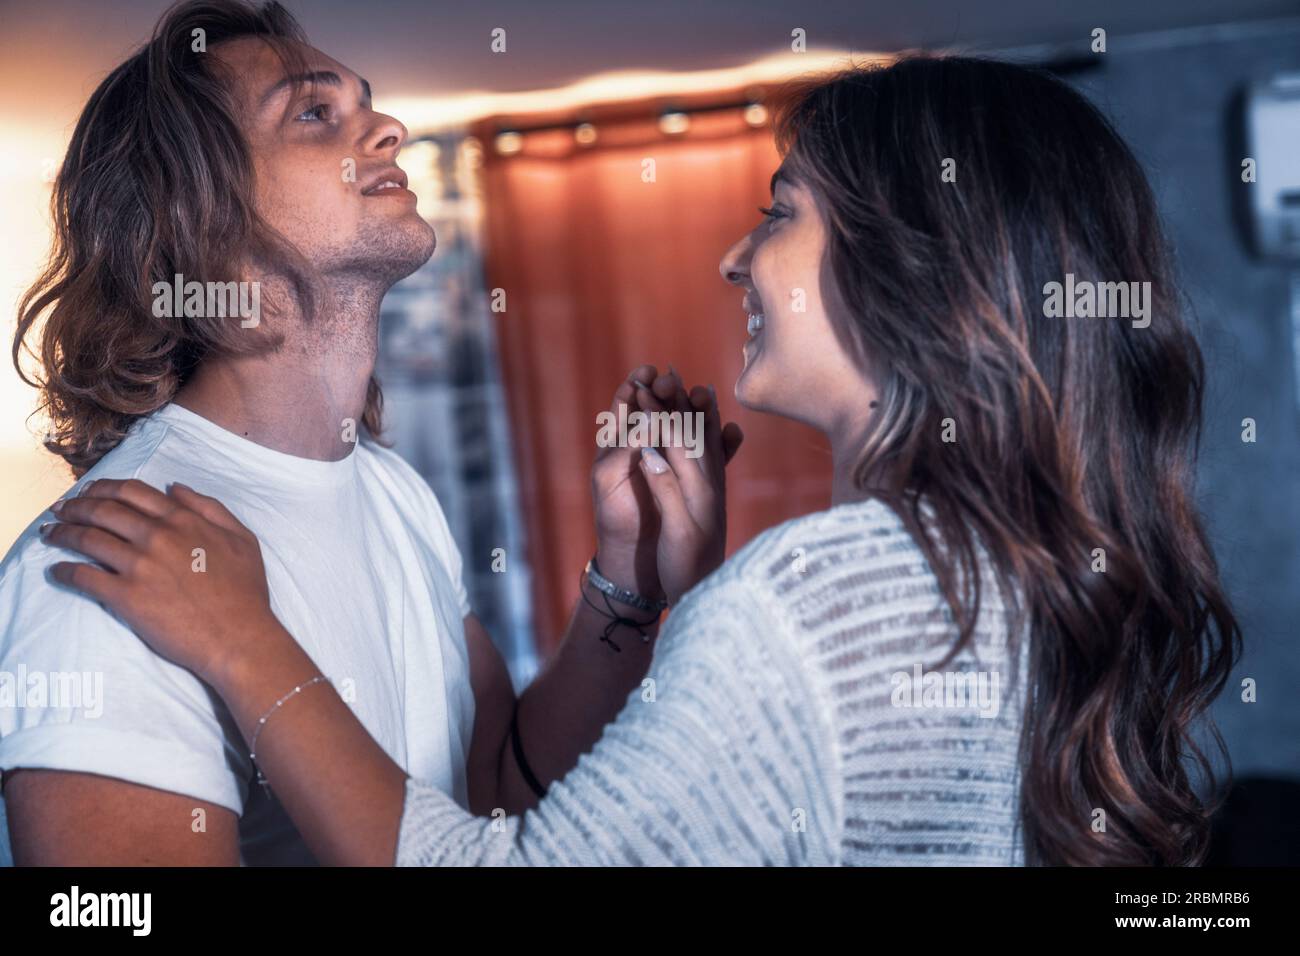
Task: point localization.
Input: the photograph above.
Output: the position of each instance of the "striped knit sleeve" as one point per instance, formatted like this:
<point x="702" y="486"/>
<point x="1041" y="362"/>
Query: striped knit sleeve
<point x="723" y="757"/>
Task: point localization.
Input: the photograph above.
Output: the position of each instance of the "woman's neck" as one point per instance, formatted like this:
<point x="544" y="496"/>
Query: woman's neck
<point x="849" y="437"/>
<point x="846" y="451"/>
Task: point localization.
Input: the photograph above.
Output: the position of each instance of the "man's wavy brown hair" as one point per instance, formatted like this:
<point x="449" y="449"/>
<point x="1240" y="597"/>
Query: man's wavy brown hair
<point x="157" y="181"/>
<point x="1071" y="434"/>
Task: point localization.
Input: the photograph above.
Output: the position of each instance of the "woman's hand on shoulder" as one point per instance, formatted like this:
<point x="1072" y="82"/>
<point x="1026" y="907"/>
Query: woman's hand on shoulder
<point x="178" y="568"/>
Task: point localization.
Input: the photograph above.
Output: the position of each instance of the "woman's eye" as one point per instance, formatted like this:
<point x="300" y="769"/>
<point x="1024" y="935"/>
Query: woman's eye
<point x="771" y="213"/>
<point x="317" y="114"/>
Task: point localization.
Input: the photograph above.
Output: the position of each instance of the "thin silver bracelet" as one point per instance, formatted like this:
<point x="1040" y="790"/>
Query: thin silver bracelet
<point x="252" y="746"/>
<point x="605" y="586"/>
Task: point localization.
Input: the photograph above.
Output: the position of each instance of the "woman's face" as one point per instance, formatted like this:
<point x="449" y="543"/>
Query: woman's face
<point x="795" y="365"/>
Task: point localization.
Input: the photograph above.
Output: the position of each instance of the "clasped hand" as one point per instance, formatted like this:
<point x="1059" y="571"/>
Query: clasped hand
<point x="661" y="523"/>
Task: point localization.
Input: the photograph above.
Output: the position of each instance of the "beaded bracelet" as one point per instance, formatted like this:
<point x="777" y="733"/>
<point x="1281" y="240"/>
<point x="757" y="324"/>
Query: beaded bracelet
<point x="252" y="747"/>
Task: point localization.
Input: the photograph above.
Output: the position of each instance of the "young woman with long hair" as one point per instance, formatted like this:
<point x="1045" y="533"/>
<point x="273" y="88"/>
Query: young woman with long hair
<point x="1012" y="514"/>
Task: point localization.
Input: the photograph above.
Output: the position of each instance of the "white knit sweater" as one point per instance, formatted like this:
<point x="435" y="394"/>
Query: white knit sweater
<point x="773" y="728"/>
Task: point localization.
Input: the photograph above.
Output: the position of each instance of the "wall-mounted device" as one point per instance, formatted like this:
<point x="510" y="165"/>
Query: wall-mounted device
<point x="1272" y="139"/>
<point x="1272" y="117"/>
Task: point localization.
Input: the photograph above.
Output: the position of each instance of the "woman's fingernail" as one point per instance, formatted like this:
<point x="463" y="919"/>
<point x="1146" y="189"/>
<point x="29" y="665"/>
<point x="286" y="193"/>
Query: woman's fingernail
<point x="57" y="506"/>
<point x="654" y="461"/>
<point x="639" y="384"/>
<point x="87" y="486"/>
<point x="44" y="529"/>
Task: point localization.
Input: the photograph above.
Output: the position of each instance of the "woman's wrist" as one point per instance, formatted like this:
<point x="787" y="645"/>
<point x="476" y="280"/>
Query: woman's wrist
<point x="620" y="566"/>
<point x="264" y="656"/>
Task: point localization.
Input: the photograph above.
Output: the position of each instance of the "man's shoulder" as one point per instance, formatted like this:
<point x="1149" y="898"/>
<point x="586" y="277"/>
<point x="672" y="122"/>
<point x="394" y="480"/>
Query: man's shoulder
<point x="393" y="467"/>
<point x="417" y="507"/>
<point x="153" y="723"/>
<point x="400" y="480"/>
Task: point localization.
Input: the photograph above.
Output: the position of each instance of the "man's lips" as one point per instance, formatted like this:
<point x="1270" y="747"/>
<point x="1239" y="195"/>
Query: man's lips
<point x="390" y="191"/>
<point x="391" y="180"/>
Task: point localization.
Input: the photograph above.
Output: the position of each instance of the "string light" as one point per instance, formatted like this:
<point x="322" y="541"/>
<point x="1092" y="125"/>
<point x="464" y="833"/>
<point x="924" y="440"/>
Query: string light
<point x="509" y="142"/>
<point x="674" y="122"/>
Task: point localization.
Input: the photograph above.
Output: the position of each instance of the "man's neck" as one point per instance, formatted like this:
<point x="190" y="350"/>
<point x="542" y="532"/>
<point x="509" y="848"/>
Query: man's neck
<point x="306" y="398"/>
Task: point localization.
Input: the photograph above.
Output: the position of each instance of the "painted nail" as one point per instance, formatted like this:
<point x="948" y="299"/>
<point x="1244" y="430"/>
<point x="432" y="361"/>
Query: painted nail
<point x="654" y="461"/>
<point x="57" y="506"/>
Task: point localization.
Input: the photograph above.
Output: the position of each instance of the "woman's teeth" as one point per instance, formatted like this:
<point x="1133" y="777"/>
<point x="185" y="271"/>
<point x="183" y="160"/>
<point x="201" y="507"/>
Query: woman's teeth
<point x="755" y="323"/>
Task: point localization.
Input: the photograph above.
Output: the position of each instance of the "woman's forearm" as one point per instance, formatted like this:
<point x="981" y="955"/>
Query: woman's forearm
<point x="344" y="793"/>
<point x="565" y="709"/>
<point x="339" y="787"/>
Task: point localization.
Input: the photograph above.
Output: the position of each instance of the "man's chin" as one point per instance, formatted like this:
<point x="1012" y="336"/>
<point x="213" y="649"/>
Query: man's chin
<point x="401" y="248"/>
<point x="423" y="240"/>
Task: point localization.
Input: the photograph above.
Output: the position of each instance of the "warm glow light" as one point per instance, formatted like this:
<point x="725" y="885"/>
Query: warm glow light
<point x="585" y="134"/>
<point x="30" y="477"/>
<point x="25" y="167"/>
<point x="428" y="114"/>
<point x="755" y="114"/>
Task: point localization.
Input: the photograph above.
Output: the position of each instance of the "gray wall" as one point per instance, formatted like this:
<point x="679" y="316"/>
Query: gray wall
<point x="1171" y="96"/>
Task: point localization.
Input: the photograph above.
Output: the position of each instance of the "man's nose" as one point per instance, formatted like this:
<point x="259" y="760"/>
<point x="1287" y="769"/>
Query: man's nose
<point x="386" y="133"/>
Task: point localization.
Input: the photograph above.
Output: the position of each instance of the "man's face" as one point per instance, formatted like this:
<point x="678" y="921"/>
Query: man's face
<point x="319" y="151"/>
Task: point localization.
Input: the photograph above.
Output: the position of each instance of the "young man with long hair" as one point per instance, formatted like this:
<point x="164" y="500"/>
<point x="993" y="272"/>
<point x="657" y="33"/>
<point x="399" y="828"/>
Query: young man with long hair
<point x="228" y="154"/>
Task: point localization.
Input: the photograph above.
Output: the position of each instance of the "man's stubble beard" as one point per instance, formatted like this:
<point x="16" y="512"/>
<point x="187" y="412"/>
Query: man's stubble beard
<point x="379" y="254"/>
<point x="356" y="278"/>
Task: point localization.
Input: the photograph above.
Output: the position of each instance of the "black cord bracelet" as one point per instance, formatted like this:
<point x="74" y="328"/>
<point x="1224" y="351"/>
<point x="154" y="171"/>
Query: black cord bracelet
<point x="530" y="778"/>
<point x="616" y="619"/>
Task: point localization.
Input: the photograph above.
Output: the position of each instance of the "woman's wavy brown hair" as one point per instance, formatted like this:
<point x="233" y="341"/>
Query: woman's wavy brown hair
<point x="1071" y="434"/>
<point x="157" y="181"/>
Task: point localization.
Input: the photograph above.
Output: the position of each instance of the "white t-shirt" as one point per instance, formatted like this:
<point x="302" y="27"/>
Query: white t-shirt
<point x="363" y="571"/>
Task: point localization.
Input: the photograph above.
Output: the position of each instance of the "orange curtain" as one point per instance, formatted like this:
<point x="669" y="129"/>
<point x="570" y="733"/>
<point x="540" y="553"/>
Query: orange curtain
<point x="602" y="271"/>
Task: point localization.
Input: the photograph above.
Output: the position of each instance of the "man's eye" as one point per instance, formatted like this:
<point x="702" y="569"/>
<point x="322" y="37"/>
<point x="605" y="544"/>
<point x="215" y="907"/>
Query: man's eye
<point x="317" y="114"/>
